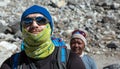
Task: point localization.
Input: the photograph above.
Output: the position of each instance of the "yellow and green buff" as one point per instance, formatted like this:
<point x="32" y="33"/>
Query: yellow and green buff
<point x="40" y="45"/>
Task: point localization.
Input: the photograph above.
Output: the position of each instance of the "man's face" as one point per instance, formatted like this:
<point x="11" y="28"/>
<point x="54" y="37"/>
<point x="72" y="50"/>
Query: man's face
<point x="34" y="23"/>
<point x="77" y="45"/>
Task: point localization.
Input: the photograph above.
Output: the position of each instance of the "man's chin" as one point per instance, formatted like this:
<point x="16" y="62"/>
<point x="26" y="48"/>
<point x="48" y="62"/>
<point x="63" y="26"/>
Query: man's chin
<point x="34" y="32"/>
<point x="78" y="52"/>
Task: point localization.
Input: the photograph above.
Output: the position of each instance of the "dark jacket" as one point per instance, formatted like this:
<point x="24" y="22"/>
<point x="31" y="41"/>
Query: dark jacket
<point x="51" y="62"/>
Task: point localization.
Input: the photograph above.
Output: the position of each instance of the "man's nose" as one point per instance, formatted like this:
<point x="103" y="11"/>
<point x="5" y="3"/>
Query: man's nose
<point x="76" y="45"/>
<point x="34" y="23"/>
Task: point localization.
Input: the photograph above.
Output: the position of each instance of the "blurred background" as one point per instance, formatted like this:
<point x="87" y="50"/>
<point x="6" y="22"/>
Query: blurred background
<point x="99" y="18"/>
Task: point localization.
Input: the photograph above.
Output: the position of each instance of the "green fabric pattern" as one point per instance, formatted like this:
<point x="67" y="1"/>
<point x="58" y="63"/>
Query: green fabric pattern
<point x="39" y="45"/>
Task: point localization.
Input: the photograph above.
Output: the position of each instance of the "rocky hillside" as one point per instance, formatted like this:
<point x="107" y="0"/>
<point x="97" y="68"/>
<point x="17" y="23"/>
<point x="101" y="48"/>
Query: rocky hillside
<point x="99" y="18"/>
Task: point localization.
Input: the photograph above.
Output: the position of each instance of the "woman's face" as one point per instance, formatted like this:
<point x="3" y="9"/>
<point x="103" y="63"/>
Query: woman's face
<point x="34" y="23"/>
<point x="77" y="45"/>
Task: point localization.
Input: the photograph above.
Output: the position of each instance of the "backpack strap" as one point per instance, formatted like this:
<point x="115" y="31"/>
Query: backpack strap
<point x="60" y="43"/>
<point x="22" y="46"/>
<point x="63" y="52"/>
<point x="62" y="57"/>
<point x="15" y="60"/>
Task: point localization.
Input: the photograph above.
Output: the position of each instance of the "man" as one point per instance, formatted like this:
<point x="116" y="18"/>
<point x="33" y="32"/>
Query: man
<point x="39" y="50"/>
<point x="77" y="45"/>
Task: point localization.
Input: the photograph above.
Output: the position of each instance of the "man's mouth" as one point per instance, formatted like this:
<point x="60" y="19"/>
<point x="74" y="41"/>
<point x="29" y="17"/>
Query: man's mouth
<point x="34" y="31"/>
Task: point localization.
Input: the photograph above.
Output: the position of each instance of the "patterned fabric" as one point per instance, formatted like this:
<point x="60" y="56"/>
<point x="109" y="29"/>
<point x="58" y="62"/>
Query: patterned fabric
<point x="40" y="45"/>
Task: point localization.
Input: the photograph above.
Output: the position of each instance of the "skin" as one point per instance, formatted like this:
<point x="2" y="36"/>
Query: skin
<point x="77" y="45"/>
<point x="34" y="27"/>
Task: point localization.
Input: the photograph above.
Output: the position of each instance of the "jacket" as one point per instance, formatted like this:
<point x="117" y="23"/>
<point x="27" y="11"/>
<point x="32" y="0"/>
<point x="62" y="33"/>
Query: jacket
<point x="50" y="62"/>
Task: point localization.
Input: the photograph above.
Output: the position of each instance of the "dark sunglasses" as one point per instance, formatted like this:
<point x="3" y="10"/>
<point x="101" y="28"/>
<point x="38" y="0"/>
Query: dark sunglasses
<point x="79" y="32"/>
<point x="39" y="20"/>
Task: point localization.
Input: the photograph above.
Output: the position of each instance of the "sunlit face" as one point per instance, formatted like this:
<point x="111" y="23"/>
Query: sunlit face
<point x="77" y="45"/>
<point x="34" y="27"/>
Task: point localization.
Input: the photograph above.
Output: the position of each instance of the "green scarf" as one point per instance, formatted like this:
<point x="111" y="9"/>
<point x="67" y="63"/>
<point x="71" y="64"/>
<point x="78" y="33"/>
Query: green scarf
<point x="38" y="45"/>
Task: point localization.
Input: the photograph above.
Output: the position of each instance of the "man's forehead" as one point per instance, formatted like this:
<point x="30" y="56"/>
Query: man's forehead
<point x="35" y="15"/>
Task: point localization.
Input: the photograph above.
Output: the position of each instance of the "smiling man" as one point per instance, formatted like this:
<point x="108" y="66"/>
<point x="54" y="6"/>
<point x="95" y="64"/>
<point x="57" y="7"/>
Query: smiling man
<point x="77" y="44"/>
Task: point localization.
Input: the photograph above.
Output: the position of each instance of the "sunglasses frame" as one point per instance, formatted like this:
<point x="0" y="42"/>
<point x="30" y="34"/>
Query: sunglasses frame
<point x="42" y="20"/>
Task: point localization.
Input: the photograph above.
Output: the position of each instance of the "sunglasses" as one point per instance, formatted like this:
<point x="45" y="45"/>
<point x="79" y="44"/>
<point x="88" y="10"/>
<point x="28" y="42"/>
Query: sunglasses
<point x="39" y="20"/>
<point x="79" y="32"/>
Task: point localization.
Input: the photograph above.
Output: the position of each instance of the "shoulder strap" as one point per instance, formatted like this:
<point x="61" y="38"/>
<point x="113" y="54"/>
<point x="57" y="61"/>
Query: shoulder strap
<point x="62" y="57"/>
<point x="15" y="60"/>
<point x="60" y="43"/>
<point x="63" y="52"/>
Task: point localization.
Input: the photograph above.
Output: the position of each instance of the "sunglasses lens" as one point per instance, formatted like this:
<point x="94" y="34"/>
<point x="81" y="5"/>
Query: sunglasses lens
<point x="27" y="20"/>
<point x="41" y="20"/>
